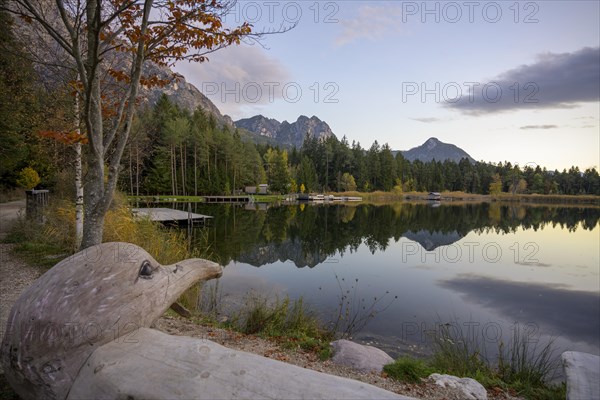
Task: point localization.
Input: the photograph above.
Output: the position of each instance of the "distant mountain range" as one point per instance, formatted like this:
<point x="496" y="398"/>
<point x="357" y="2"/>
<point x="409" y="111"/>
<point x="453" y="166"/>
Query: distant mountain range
<point x="433" y="149"/>
<point x="180" y="92"/>
<point x="285" y="133"/>
<point x="261" y="129"/>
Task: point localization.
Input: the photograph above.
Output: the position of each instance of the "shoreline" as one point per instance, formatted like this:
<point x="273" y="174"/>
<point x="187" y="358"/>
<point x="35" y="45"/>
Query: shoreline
<point x="380" y="198"/>
<point x="18" y="275"/>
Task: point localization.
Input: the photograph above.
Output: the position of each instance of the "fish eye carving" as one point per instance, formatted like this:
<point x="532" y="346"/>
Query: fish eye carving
<point x="146" y="270"/>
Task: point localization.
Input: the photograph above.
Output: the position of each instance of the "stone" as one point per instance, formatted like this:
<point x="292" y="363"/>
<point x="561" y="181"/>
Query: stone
<point x="155" y="365"/>
<point x="583" y="375"/>
<point x="470" y="388"/>
<point x="360" y="357"/>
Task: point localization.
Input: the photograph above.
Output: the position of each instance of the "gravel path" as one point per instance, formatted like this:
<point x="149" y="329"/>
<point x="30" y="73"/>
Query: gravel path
<point x="15" y="276"/>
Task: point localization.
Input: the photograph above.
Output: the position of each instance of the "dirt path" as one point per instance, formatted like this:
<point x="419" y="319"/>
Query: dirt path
<point x="15" y="276"/>
<point x="9" y="213"/>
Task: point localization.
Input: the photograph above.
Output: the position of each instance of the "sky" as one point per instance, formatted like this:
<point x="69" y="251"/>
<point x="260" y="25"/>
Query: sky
<point x="514" y="81"/>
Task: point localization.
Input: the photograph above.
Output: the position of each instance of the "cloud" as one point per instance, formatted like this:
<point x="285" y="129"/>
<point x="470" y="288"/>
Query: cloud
<point x="553" y="81"/>
<point x="427" y="120"/>
<point x="570" y="313"/>
<point x="371" y="22"/>
<point x="539" y="127"/>
<point x="238" y="77"/>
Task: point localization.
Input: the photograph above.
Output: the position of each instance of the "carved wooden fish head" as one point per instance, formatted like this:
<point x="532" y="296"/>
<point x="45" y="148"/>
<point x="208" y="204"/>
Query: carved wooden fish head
<point x="96" y="296"/>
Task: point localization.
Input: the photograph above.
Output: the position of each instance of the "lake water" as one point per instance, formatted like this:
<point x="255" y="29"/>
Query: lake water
<point x="404" y="269"/>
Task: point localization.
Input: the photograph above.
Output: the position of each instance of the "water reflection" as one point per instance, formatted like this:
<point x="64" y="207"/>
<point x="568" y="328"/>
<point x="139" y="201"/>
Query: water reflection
<point x="432" y="240"/>
<point x="558" y="310"/>
<point x="308" y="235"/>
<point x="481" y="262"/>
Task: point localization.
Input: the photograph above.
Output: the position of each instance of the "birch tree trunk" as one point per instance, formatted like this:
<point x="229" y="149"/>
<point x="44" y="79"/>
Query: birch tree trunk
<point x="182" y="169"/>
<point x="195" y="171"/>
<point x="78" y="179"/>
<point x="78" y="195"/>
<point x="130" y="171"/>
<point x="137" y="169"/>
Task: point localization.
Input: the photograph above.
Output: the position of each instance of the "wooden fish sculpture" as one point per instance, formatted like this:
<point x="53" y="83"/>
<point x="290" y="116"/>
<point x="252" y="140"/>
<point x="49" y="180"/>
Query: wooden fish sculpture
<point x="82" y="331"/>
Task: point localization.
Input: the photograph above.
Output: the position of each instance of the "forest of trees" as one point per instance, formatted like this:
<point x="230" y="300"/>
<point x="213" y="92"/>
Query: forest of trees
<point x="178" y="153"/>
<point x="175" y="152"/>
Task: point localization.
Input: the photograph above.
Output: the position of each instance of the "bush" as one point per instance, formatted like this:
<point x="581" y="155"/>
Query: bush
<point x="282" y="318"/>
<point x="408" y="369"/>
<point x="49" y="243"/>
<point x="28" y="178"/>
<point x="525" y="364"/>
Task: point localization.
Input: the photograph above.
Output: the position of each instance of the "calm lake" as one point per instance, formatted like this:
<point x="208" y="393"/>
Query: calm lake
<point x="404" y="268"/>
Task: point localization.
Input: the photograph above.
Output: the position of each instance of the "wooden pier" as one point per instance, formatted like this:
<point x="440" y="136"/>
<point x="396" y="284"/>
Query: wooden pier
<point x="170" y="215"/>
<point x="226" y="199"/>
<point x="329" y="198"/>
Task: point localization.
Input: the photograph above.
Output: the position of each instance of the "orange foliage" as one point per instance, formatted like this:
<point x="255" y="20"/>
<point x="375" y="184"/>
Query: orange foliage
<point x="65" y="137"/>
<point x="187" y="28"/>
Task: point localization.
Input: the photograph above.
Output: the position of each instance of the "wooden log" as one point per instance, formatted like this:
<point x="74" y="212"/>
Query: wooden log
<point x="101" y="294"/>
<point x="153" y="365"/>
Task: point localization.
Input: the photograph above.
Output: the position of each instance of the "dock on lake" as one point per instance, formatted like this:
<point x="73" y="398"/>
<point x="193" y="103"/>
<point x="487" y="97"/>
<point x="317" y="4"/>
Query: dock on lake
<point x="226" y="199"/>
<point x="170" y="215"/>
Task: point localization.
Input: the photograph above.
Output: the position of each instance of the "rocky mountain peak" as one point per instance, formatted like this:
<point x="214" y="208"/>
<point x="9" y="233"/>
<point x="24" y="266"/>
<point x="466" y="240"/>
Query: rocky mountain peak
<point x="180" y="92"/>
<point x="431" y="143"/>
<point x="286" y="133"/>
<point x="434" y="149"/>
<point x="260" y="125"/>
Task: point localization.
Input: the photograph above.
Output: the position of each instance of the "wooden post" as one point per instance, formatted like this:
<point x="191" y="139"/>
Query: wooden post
<point x="36" y="202"/>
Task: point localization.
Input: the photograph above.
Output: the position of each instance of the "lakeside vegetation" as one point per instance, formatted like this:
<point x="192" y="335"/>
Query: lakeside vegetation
<point x="47" y="244"/>
<point x="522" y="366"/>
<point x="291" y="323"/>
<point x="381" y="197"/>
<point x="266" y="198"/>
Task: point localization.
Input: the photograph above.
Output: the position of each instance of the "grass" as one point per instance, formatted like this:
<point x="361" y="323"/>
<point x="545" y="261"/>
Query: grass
<point x="523" y="366"/>
<point x="371" y="197"/>
<point x="289" y="322"/>
<point x="266" y="198"/>
<point x="380" y="197"/>
<point x="11" y="195"/>
<point x="407" y="369"/>
<point x="165" y="199"/>
<point x="47" y="244"/>
<point x="35" y="245"/>
<point x="549" y="199"/>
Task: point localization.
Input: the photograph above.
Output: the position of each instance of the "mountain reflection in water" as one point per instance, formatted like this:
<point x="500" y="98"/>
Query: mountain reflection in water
<point x="489" y="263"/>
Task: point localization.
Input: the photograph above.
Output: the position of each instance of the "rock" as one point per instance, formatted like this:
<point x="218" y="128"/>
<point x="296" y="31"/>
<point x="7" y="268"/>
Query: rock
<point x="360" y="357"/>
<point x="155" y="365"/>
<point x="583" y="375"/>
<point x="470" y="388"/>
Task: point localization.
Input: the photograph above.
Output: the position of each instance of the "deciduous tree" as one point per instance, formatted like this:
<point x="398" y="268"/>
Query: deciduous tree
<point x="113" y="38"/>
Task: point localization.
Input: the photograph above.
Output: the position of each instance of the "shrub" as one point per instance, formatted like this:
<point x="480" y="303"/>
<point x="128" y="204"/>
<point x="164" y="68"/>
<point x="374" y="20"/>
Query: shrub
<point x="408" y="369"/>
<point x="28" y="178"/>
